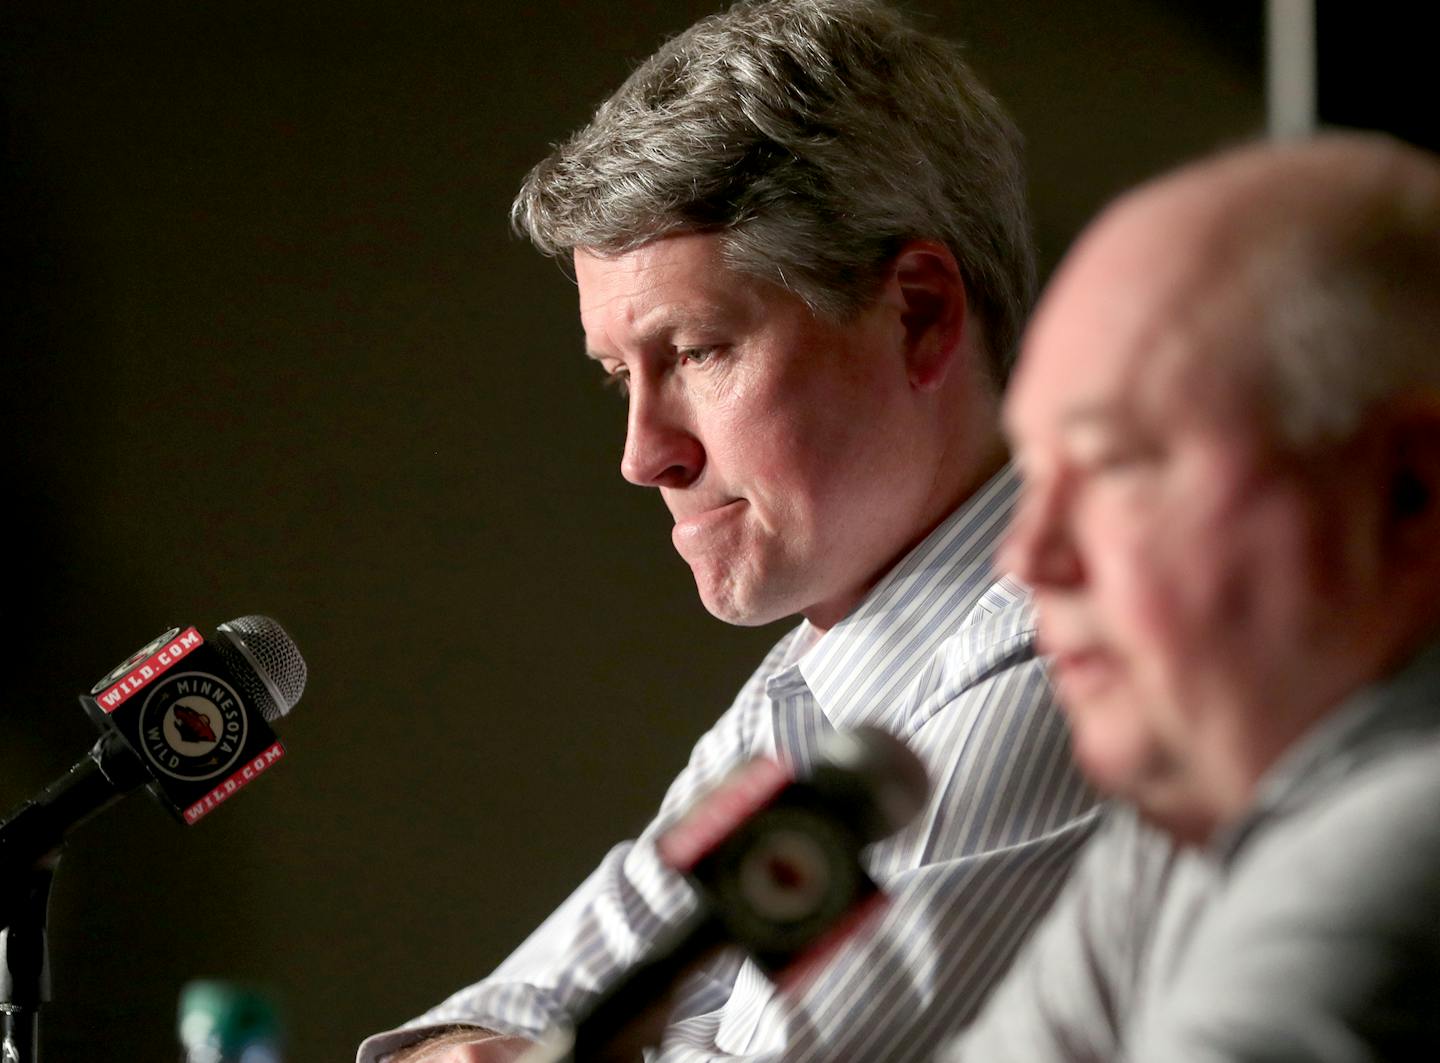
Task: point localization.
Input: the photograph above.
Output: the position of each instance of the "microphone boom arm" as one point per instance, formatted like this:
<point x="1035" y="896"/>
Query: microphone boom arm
<point x="107" y="773"/>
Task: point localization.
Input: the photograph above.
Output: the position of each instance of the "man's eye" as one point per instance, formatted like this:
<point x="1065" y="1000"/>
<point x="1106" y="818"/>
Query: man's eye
<point x="1119" y="460"/>
<point x="695" y="355"/>
<point x="1110" y="460"/>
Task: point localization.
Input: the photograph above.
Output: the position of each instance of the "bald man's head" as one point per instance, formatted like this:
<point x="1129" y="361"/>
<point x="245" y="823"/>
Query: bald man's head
<point x="1288" y="260"/>
<point x="1231" y="465"/>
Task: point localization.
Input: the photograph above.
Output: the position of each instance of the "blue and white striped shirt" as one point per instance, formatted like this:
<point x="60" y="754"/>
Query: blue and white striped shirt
<point x="941" y="653"/>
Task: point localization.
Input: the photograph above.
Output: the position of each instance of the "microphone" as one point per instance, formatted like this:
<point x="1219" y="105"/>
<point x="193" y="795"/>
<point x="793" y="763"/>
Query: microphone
<point x="775" y="862"/>
<point x="184" y="716"/>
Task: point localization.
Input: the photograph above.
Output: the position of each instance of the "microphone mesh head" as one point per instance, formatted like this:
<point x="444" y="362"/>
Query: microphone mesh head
<point x="885" y="780"/>
<point x="271" y="667"/>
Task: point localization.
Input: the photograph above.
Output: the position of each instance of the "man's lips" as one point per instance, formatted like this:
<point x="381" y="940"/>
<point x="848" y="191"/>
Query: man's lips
<point x="1081" y="669"/>
<point x="1075" y="658"/>
<point x="694" y="530"/>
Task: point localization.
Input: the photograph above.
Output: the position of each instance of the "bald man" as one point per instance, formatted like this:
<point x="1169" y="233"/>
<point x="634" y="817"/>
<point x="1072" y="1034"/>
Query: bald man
<point x="1227" y="414"/>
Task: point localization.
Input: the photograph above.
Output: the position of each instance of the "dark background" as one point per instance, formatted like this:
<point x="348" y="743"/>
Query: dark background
<point x="269" y="347"/>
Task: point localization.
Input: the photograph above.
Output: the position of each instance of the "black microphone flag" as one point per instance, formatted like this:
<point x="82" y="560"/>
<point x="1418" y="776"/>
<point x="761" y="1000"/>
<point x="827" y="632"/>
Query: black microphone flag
<point x="185" y="717"/>
<point x="775" y="862"/>
<point x="197" y="712"/>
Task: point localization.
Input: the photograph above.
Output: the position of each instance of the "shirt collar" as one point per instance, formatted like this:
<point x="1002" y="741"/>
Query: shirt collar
<point x="856" y="669"/>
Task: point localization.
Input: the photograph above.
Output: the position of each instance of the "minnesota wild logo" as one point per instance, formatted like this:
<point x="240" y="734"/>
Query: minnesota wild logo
<point x="192" y="726"/>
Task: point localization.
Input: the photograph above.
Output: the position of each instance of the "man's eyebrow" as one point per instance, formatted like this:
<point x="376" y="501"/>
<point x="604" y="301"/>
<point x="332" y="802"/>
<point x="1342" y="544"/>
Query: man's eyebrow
<point x="1095" y="415"/>
<point x="1079" y="418"/>
<point x="671" y="318"/>
<point x="663" y="322"/>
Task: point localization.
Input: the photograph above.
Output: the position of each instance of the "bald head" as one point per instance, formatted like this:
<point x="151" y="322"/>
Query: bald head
<point x="1225" y="417"/>
<point x="1288" y="261"/>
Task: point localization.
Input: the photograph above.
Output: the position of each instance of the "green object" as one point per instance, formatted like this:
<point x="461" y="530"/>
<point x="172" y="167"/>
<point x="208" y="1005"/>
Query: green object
<point x="227" y="1022"/>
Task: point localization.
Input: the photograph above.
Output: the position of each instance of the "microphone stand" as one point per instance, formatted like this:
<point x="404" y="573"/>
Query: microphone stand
<point x="25" y="962"/>
<point x="30" y="844"/>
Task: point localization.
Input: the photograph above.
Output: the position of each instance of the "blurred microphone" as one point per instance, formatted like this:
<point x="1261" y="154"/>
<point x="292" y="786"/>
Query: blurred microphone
<point x="187" y="717"/>
<point x="775" y="862"/>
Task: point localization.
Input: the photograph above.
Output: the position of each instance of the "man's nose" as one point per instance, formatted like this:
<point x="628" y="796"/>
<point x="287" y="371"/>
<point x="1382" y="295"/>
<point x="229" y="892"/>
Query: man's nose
<point x="1039" y="547"/>
<point x="661" y="450"/>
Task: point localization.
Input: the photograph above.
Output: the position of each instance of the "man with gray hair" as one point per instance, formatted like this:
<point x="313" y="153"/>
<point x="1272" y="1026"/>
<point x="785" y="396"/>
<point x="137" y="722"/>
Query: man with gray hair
<point x="1228" y="418"/>
<point x="802" y="252"/>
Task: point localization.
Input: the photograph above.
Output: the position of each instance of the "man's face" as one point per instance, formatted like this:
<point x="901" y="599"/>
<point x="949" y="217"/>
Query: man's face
<point x="782" y="444"/>
<point x="1184" y="582"/>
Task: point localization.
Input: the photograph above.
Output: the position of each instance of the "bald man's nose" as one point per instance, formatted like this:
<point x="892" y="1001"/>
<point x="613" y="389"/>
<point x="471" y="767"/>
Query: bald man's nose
<point x="1038" y="547"/>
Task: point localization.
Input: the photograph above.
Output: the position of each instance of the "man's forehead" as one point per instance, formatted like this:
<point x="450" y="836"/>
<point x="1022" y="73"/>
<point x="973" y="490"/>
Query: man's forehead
<point x="1130" y="321"/>
<point x="1060" y="415"/>
<point x="602" y="279"/>
<point x="1167" y="374"/>
<point x="674" y="269"/>
<point x="675" y="287"/>
<point x="658" y="313"/>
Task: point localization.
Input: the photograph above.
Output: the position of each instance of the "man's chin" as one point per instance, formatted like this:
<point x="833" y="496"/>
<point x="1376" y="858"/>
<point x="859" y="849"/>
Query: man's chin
<point x="741" y="616"/>
<point x="726" y="603"/>
<point x="1180" y="816"/>
<point x="1158" y="788"/>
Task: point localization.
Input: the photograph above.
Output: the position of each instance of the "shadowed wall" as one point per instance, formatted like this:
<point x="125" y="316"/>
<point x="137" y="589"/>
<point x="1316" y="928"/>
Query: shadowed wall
<point x="269" y="347"/>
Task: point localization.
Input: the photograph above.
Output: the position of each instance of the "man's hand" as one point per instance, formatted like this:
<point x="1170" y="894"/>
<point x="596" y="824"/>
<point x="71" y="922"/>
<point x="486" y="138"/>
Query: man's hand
<point x="470" y="1044"/>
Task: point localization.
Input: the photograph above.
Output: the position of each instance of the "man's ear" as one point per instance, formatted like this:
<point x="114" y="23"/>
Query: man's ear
<point x="1413" y="486"/>
<point x="931" y="294"/>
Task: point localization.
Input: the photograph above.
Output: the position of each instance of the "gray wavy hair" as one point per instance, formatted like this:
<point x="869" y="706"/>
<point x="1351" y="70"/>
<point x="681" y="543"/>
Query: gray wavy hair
<point x="817" y="137"/>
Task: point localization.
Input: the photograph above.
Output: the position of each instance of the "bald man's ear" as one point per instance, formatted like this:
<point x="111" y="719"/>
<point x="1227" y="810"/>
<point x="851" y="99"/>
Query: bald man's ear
<point x="1413" y="522"/>
<point x="931" y="294"/>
